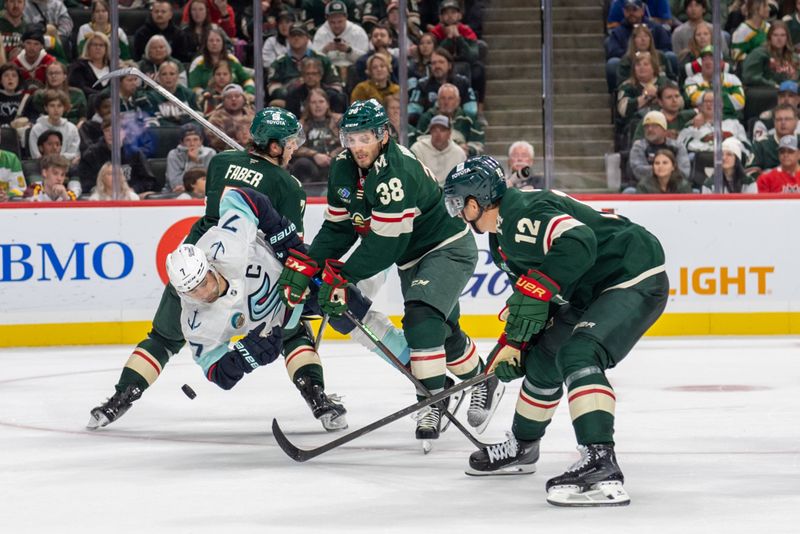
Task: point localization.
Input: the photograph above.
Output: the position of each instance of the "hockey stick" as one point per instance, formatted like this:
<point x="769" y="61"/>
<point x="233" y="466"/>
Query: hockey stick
<point x="416" y="381"/>
<point x="133" y="71"/>
<point x="403" y="369"/>
<point x="321" y="331"/>
<point x="301" y="455"/>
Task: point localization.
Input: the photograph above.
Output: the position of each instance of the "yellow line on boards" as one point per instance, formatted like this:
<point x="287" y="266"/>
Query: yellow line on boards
<point x="477" y="326"/>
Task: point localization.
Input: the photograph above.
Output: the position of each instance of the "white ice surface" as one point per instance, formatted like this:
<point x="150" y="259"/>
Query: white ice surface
<point x="716" y="461"/>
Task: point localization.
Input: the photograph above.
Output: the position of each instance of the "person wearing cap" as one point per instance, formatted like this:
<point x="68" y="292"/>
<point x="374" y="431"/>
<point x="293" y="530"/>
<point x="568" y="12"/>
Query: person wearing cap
<point x="12" y="26"/>
<point x="189" y="154"/>
<point x="53" y="20"/>
<point x="658" y="11"/>
<point x="764" y="126"/>
<point x="644" y="150"/>
<point x="732" y="90"/>
<point x="276" y="45"/>
<point x="341" y="40"/>
<point x="285" y="71"/>
<point x="462" y="42"/>
<point x="233" y="117"/>
<point x="786" y="177"/>
<point x="765" y="151"/>
<point x="437" y="150"/>
<point x="467" y="132"/>
<point x="735" y="178"/>
<point x="616" y="44"/>
<point x="380" y="84"/>
<point x="698" y="138"/>
<point x="751" y="33"/>
<point x="315" y="12"/>
<point x="34" y="59"/>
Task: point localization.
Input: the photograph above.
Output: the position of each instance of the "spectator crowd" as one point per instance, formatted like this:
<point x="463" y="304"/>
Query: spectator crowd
<point x="659" y="69"/>
<point x="318" y="56"/>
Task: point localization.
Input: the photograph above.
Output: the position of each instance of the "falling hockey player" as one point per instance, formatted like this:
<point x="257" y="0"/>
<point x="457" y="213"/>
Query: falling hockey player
<point x="380" y="192"/>
<point x="276" y="134"/>
<point x="597" y="280"/>
<point x="227" y="285"/>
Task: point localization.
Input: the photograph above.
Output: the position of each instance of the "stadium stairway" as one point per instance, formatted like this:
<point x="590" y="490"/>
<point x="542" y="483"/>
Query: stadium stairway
<point x="583" y="129"/>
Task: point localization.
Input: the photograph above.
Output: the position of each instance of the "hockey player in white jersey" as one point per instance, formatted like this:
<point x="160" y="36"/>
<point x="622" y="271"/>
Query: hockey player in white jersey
<point x="228" y="287"/>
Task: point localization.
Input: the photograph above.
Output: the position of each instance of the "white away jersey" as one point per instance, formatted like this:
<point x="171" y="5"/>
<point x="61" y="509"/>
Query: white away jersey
<point x="237" y="250"/>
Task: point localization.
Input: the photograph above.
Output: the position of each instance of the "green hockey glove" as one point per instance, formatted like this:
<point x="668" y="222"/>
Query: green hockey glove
<point x="333" y="291"/>
<point x="506" y="360"/>
<point x="529" y="305"/>
<point x="293" y="281"/>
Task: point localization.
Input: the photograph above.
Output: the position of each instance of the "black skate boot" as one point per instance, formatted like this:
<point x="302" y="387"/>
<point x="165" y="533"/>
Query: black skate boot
<point x="114" y="408"/>
<point x="511" y="457"/>
<point x="595" y="480"/>
<point x="429" y="424"/>
<point x="325" y="408"/>
<point x="483" y="402"/>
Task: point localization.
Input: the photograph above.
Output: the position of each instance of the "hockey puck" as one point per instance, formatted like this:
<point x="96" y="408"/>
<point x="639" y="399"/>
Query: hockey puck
<point x="188" y="391"/>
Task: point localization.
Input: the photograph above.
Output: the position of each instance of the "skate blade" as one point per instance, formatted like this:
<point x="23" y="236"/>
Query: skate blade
<point x="427" y="445"/>
<point x="456" y="400"/>
<point x="331" y="423"/>
<point x="96" y="421"/>
<point x="496" y="396"/>
<point x="522" y="469"/>
<point x="601" y="494"/>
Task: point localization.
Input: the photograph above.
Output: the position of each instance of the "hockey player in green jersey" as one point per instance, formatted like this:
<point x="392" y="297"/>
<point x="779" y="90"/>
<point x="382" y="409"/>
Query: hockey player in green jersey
<point x="597" y="281"/>
<point x="380" y="192"/>
<point x="276" y="134"/>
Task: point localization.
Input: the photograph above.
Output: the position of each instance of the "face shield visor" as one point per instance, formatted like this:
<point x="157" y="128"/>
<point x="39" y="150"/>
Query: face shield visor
<point x="362" y="137"/>
<point x="295" y="141"/>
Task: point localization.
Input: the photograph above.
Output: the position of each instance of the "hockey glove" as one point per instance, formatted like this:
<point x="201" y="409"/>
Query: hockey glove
<point x="529" y="305"/>
<point x="333" y="291"/>
<point x="506" y="360"/>
<point x="250" y="352"/>
<point x="257" y="349"/>
<point x="294" y="279"/>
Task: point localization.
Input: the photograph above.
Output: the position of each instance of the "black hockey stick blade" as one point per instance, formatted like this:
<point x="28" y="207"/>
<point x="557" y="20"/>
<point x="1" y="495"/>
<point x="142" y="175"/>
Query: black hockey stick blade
<point x="301" y="455"/>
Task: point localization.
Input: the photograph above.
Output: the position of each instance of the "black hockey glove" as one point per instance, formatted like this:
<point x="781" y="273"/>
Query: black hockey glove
<point x="256" y="349"/>
<point x="253" y="350"/>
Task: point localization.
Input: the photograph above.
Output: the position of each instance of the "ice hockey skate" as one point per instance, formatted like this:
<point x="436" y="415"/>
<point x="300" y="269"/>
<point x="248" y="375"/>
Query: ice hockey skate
<point x="114" y="408"/>
<point x="511" y="457"/>
<point x="594" y="480"/>
<point x="483" y="402"/>
<point x="326" y="408"/>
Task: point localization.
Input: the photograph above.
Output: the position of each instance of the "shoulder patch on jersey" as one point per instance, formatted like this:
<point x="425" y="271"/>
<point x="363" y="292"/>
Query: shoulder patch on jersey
<point x="237" y="320"/>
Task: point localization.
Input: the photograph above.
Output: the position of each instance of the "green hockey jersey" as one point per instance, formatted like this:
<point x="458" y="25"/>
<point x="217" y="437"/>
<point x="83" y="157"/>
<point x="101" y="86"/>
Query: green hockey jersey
<point x="396" y="207"/>
<point x="583" y="250"/>
<point x="237" y="168"/>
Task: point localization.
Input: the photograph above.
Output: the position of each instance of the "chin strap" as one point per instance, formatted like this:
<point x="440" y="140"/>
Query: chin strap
<point x="480" y="214"/>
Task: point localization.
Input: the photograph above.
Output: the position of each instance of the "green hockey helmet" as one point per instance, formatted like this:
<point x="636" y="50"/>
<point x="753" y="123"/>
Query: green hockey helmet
<point x="276" y="124"/>
<point x="480" y="177"/>
<point x="363" y="116"/>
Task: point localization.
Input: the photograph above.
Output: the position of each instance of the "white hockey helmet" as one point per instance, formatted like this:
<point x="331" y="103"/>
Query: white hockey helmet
<point x="187" y="266"/>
